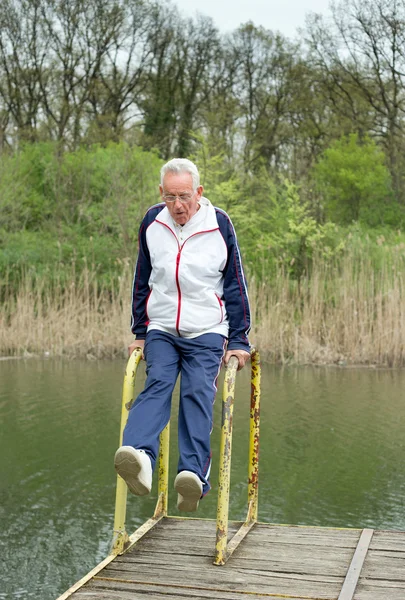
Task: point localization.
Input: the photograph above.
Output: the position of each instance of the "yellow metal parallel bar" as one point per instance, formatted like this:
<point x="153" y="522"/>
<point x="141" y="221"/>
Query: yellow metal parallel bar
<point x="120" y="538"/>
<point x="253" y="474"/>
<point x="163" y="485"/>
<point x="223" y="549"/>
<point x="163" y="480"/>
<point x="225" y="453"/>
<point x="121" y="541"/>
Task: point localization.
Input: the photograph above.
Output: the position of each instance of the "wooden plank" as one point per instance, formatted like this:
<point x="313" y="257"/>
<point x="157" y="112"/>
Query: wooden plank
<point x="268" y="562"/>
<point x="386" y="553"/>
<point x="298" y="563"/>
<point x="123" y="591"/>
<point x="237" y="580"/>
<point x="324" y="542"/>
<point x="248" y="549"/>
<point x="308" y="529"/>
<point x="381" y="585"/>
<point x="353" y="574"/>
<point x="385" y="567"/>
<point x="305" y="535"/>
<point x="183" y="536"/>
<point x="207" y="525"/>
<point x="234" y="575"/>
<point x="260" y="534"/>
<point x="286" y="549"/>
<point x="386" y="591"/>
<point x="302" y="560"/>
<point x="267" y="538"/>
<point x="388" y="540"/>
<point x="166" y="530"/>
<point x="383" y="574"/>
<point x="384" y="583"/>
<point x="187" y="523"/>
<point x="285" y="555"/>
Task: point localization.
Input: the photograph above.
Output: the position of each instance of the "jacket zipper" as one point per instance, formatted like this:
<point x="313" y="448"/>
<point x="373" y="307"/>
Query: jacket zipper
<point x="177" y="268"/>
<point x="178" y="292"/>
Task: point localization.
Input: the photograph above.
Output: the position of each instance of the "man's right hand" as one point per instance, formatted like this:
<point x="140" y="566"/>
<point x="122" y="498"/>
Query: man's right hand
<point x="136" y="344"/>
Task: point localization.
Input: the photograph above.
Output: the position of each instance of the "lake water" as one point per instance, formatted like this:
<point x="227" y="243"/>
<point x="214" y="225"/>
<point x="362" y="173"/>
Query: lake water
<point x="332" y="453"/>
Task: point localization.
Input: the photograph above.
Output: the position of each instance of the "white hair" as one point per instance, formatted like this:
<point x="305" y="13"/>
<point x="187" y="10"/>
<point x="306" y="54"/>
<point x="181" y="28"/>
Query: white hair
<point x="181" y="165"/>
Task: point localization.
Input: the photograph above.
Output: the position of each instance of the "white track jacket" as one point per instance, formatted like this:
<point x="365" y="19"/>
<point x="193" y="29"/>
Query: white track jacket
<point x="191" y="282"/>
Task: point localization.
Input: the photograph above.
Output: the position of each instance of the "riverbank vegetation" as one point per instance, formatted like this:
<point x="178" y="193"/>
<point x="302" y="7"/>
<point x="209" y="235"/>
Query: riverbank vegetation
<point x="300" y="141"/>
<point x="348" y="310"/>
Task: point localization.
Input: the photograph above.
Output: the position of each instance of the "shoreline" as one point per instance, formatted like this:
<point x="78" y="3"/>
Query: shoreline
<point x="287" y="364"/>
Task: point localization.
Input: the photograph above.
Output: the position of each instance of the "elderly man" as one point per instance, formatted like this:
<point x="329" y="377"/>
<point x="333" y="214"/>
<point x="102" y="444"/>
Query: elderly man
<point x="190" y="310"/>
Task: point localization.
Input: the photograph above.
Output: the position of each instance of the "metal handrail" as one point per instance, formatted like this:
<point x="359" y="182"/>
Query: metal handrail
<point x="223" y="548"/>
<point x="121" y="541"/>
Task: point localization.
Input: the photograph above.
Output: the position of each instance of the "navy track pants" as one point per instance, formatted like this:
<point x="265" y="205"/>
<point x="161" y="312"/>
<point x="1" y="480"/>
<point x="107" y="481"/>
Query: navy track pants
<point x="199" y="361"/>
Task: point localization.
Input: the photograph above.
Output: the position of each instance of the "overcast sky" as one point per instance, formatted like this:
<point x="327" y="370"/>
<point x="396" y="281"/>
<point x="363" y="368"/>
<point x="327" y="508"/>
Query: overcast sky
<point x="284" y="16"/>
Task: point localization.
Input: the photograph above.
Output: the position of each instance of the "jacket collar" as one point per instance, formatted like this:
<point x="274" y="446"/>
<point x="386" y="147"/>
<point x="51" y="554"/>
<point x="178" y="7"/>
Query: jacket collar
<point x="204" y="220"/>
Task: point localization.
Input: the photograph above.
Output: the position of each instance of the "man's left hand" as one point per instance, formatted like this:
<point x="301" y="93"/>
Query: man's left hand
<point x="241" y="355"/>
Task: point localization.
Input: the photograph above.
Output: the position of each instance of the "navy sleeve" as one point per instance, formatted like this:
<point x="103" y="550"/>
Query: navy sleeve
<point x="235" y="288"/>
<point x="140" y="288"/>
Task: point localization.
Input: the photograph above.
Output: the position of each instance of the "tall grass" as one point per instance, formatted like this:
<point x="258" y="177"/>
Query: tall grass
<point x="345" y="312"/>
<point x="73" y="317"/>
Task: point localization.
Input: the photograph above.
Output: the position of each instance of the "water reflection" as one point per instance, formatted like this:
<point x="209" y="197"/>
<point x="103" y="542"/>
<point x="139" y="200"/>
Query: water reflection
<point x="332" y="453"/>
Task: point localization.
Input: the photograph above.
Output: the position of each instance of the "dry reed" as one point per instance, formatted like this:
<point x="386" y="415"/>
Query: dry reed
<point x="347" y="313"/>
<point x="344" y="313"/>
<point x="77" y="319"/>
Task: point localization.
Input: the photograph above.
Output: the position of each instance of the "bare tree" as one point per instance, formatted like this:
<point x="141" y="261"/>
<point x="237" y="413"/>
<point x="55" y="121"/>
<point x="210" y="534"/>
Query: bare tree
<point x="185" y="69"/>
<point x="198" y="50"/>
<point x="22" y="50"/>
<point x="158" y="102"/>
<point x="121" y="78"/>
<point x="264" y="91"/>
<point x="362" y="54"/>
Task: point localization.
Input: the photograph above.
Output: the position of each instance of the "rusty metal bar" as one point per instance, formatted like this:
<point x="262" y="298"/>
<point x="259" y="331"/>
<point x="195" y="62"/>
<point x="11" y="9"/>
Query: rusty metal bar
<point x="224" y="549"/>
<point x="163" y="477"/>
<point x="253" y="473"/>
<point x="120" y="537"/>
<point x="225" y="462"/>
<point x="121" y="541"/>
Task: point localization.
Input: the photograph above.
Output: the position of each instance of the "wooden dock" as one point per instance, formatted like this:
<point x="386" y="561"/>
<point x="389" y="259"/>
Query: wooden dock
<point x="173" y="561"/>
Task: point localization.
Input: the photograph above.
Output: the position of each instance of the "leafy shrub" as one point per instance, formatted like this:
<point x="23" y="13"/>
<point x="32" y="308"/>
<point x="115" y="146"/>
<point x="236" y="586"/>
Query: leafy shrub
<point x="355" y="183"/>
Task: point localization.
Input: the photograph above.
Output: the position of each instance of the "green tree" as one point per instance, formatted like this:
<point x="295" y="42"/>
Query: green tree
<point x="273" y="223"/>
<point x="355" y="183"/>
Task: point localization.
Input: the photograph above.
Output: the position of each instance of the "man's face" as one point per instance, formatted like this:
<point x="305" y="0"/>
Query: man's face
<point x="180" y="186"/>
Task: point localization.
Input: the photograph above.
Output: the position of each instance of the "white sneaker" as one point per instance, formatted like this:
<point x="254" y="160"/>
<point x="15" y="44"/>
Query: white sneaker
<point x="135" y="468"/>
<point x="189" y="489"/>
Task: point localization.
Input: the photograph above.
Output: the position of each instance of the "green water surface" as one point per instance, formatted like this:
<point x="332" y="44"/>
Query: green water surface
<point x="332" y="453"/>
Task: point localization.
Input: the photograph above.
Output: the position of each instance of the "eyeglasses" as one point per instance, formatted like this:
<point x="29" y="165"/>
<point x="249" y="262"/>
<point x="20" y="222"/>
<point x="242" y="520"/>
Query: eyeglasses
<point x="184" y="198"/>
